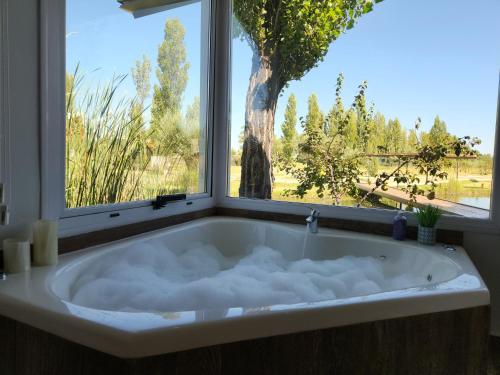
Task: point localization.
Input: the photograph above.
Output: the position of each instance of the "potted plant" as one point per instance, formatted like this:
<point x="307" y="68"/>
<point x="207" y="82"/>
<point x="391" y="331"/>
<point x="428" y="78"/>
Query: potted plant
<point x="427" y="218"/>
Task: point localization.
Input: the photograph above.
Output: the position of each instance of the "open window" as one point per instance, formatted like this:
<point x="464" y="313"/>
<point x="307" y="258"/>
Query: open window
<point x="136" y="101"/>
<point x="136" y="104"/>
<point x="380" y="105"/>
<point x="350" y="107"/>
<point x="4" y="119"/>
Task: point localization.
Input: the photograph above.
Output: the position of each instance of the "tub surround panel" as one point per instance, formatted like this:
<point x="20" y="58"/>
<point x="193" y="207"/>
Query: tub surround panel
<point x="383" y="229"/>
<point x="73" y="243"/>
<point x="42" y="297"/>
<point x="452" y="342"/>
<point x="494" y="355"/>
<point x="85" y="240"/>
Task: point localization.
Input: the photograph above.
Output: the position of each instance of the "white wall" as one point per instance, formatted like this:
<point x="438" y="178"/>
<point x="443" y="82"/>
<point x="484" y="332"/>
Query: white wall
<point x="24" y="116"/>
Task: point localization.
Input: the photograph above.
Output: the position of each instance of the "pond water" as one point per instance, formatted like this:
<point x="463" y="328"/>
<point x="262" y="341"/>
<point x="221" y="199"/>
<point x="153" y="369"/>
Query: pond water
<point x="480" y="202"/>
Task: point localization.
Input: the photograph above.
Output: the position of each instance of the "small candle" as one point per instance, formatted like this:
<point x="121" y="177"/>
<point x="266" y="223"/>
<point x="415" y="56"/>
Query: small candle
<point x="45" y="243"/>
<point x="16" y="255"/>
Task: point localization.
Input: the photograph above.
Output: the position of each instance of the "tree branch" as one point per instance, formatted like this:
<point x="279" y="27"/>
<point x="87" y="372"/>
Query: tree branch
<point x="383" y="182"/>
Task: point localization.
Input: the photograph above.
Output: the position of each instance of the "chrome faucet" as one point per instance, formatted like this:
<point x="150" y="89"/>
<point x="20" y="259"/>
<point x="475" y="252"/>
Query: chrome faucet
<point x="312" y="221"/>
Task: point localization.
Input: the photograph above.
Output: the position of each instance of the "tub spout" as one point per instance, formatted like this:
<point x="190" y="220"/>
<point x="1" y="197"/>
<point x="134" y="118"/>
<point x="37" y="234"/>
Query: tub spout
<point x="312" y="221"/>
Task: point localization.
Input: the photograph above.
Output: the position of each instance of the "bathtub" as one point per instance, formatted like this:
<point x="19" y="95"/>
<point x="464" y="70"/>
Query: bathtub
<point x="443" y="277"/>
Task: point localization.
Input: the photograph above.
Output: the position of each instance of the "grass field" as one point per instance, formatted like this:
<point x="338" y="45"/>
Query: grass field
<point x="466" y="186"/>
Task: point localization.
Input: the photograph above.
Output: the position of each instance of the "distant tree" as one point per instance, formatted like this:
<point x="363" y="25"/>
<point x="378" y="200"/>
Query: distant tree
<point x="329" y="167"/>
<point x="192" y="131"/>
<point x="192" y="118"/>
<point x="395" y="138"/>
<point x="141" y="75"/>
<point x="429" y="160"/>
<point x="351" y="131"/>
<point x="425" y="138"/>
<point x="438" y="135"/>
<point x="314" y="118"/>
<point x="172" y="73"/>
<point x="327" y="163"/>
<point x="290" y="136"/>
<point x="278" y="146"/>
<point x="412" y="140"/>
<point x="377" y="135"/>
<point x="288" y="38"/>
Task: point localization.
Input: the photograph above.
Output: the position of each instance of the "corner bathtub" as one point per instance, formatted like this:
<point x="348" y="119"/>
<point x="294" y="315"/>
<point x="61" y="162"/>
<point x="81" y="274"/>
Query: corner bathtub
<point x="42" y="297"/>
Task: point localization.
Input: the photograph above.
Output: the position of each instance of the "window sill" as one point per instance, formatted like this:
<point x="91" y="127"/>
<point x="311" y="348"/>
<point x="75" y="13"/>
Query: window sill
<point x="360" y="215"/>
<point x="97" y="221"/>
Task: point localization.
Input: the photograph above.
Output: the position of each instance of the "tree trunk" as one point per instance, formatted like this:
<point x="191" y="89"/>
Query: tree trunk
<point x="262" y="97"/>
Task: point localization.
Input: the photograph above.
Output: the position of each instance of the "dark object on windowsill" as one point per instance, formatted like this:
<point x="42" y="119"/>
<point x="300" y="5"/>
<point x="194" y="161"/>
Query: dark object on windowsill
<point x="162" y="200"/>
<point x="399" y="227"/>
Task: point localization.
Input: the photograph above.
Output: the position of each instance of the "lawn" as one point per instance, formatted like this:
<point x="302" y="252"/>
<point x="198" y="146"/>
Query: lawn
<point x="473" y="185"/>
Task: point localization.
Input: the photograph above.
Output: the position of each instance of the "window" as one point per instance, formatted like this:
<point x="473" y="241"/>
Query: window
<point x="379" y="105"/>
<point x="136" y="100"/>
<point x="4" y="105"/>
<point x="374" y="104"/>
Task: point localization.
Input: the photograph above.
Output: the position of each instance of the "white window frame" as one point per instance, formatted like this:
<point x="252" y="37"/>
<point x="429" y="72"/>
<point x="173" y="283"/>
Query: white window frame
<point x="73" y="221"/>
<point x="52" y="136"/>
<point x="222" y="136"/>
<point x="4" y="103"/>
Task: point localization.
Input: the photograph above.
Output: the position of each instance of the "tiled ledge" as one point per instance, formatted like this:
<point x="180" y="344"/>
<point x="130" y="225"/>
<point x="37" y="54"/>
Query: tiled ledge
<point x="81" y="241"/>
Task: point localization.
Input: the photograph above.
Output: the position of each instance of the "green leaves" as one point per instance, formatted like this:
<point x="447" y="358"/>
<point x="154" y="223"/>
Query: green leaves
<point x="296" y="34"/>
<point x="172" y="72"/>
<point x="428" y="216"/>
<point x="326" y="164"/>
<point x="333" y="152"/>
<point x="289" y="132"/>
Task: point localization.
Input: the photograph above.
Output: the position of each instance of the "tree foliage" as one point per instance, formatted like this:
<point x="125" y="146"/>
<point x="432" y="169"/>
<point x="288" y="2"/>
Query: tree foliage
<point x="297" y="33"/>
<point x="395" y="137"/>
<point x="172" y="72"/>
<point x="438" y="135"/>
<point x="288" y="38"/>
<point x="314" y="119"/>
<point x="141" y="75"/>
<point x="330" y="164"/>
<point x="289" y="141"/>
<point x="327" y="164"/>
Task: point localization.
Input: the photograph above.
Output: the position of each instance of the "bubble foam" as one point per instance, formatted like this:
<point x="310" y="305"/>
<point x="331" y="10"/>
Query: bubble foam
<point x="151" y="277"/>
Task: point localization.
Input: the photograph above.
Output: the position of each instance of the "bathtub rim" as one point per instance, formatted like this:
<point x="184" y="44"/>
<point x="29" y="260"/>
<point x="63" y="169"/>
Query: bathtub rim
<point x="24" y="297"/>
<point x="92" y="253"/>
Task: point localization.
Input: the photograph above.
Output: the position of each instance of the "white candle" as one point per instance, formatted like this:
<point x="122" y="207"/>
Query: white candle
<point x="16" y="255"/>
<point x="45" y="243"/>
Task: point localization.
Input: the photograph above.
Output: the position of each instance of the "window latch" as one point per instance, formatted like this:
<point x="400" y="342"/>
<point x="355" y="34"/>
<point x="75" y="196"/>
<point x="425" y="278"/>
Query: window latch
<point x="162" y="200"/>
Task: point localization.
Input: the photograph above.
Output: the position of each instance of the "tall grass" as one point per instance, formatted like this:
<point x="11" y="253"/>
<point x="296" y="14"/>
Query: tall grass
<point x="106" y="151"/>
<point x="112" y="155"/>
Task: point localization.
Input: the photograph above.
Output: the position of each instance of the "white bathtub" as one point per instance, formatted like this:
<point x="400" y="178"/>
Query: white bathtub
<point x="445" y="278"/>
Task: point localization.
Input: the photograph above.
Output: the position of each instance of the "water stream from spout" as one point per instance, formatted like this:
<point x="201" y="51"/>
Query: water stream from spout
<point x="304" y="243"/>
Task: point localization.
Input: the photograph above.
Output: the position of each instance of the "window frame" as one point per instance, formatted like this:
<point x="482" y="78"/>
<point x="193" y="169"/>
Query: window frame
<point x="380" y="215"/>
<point x="4" y="104"/>
<point x="80" y="220"/>
<point x="53" y="133"/>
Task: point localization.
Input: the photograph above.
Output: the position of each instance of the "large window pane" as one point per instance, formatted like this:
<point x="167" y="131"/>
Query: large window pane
<point x="388" y="105"/>
<point x="136" y="101"/>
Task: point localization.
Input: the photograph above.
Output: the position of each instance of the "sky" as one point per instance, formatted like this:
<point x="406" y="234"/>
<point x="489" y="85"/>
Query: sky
<point x="105" y="40"/>
<point x="420" y="58"/>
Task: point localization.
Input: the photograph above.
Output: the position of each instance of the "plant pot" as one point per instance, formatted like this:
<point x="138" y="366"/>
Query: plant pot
<point x="426" y="236"/>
